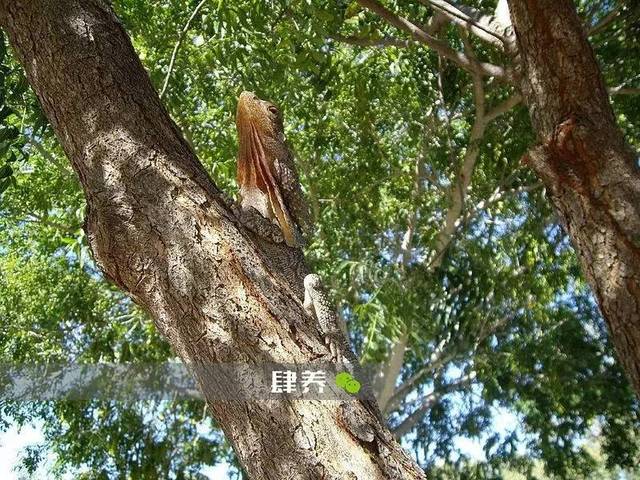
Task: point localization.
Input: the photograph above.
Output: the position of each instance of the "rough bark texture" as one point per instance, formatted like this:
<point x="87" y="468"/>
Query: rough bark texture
<point x="159" y="228"/>
<point x="591" y="174"/>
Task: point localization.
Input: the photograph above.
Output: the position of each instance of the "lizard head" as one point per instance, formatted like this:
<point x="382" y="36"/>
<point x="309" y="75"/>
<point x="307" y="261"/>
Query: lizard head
<point x="312" y="282"/>
<point x="264" y="116"/>
<point x="262" y="143"/>
<point x="260" y="137"/>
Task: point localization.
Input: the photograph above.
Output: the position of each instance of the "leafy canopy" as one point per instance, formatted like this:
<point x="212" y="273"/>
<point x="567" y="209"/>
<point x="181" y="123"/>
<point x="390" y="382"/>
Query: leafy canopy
<point x="498" y="321"/>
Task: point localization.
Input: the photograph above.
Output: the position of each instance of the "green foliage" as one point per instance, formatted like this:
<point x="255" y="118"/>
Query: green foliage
<point x="20" y="117"/>
<point x="505" y="302"/>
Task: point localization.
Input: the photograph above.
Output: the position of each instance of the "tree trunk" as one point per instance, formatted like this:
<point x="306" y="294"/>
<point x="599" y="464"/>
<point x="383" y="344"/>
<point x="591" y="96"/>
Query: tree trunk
<point x="160" y="230"/>
<point x="590" y="173"/>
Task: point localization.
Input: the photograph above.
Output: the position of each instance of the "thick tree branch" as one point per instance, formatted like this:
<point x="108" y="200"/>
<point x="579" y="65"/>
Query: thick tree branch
<point x="589" y="171"/>
<point x="622" y="90"/>
<point x="392" y="368"/>
<point x="425" y="405"/>
<point x="454" y="213"/>
<point x="439" y="46"/>
<point x="503" y="107"/>
<point x="374" y="42"/>
<point x="458" y="190"/>
<point x="469" y="18"/>
<point x="391" y="396"/>
<point x="387" y="394"/>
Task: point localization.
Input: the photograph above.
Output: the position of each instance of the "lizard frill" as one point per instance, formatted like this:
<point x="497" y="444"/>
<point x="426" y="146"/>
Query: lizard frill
<point x="256" y="172"/>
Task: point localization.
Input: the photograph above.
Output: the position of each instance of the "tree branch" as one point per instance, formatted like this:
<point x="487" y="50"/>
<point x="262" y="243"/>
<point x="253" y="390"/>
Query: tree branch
<point x="53" y="159"/>
<point x="458" y="193"/>
<point x="392" y="370"/>
<point x="439" y="358"/>
<point x="497" y="195"/>
<point x="181" y="36"/>
<point x="440" y="47"/>
<point x="469" y="18"/>
<point x="503" y="107"/>
<point x="408" y="423"/>
<point x="374" y="42"/>
<point x="44" y="220"/>
<point x="622" y="90"/>
<point x="459" y="188"/>
<point x="604" y="22"/>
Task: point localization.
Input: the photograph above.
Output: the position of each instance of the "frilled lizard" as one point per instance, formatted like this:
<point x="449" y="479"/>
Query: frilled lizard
<point x="318" y="306"/>
<point x="270" y="188"/>
<point x="266" y="172"/>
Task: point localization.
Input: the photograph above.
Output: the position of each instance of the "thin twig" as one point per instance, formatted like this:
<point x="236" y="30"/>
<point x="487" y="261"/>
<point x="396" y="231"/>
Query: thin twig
<point x="53" y="159"/>
<point x="458" y="192"/>
<point x="498" y="195"/>
<point x="41" y="220"/>
<point x="174" y="54"/>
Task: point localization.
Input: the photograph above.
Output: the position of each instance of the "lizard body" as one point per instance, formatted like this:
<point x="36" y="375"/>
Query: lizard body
<point x="266" y="172"/>
<point x="272" y="205"/>
<point x="318" y="306"/>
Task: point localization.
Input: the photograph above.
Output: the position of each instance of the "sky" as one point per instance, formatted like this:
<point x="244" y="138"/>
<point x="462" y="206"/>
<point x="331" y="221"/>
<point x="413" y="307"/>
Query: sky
<point x="11" y="443"/>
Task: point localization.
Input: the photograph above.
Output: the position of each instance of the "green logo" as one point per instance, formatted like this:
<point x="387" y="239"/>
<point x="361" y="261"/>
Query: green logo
<point x="349" y="384"/>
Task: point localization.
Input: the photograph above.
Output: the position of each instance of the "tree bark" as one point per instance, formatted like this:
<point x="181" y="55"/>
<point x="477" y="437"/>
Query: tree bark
<point x="590" y="173"/>
<point x="161" y="230"/>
